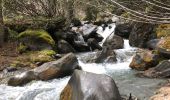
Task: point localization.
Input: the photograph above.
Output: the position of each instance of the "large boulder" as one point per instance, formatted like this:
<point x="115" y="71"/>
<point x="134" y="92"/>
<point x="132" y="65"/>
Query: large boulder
<point x="89" y="86"/>
<point x="35" y="40"/>
<point x="55" y="69"/>
<point x="90" y="31"/>
<point x="141" y="34"/>
<point x="162" y="70"/>
<point x="123" y="30"/>
<point x="64" y="47"/>
<point x="144" y="60"/>
<point x="114" y="42"/>
<point x="76" y="40"/>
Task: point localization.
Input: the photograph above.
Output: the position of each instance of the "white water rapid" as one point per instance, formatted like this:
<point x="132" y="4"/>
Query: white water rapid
<point x="120" y="72"/>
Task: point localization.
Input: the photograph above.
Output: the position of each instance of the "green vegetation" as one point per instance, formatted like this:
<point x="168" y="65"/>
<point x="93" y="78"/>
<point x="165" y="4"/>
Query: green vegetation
<point x="30" y="59"/>
<point x="38" y="34"/>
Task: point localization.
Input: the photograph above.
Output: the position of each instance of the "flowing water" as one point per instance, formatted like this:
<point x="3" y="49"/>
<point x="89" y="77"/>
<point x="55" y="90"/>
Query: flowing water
<point x="125" y="78"/>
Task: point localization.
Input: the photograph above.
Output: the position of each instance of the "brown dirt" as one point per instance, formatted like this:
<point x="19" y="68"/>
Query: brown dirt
<point x="8" y="53"/>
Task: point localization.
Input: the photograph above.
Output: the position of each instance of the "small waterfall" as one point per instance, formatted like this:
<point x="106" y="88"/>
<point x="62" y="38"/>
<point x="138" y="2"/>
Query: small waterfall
<point x="127" y="45"/>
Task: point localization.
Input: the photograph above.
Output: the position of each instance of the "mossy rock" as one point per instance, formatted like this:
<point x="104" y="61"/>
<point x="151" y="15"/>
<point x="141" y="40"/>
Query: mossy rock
<point x="31" y="59"/>
<point x="165" y="43"/>
<point x="42" y="56"/>
<point x="144" y="60"/>
<point x="36" y="39"/>
<point x="163" y="30"/>
<point x="164" y="47"/>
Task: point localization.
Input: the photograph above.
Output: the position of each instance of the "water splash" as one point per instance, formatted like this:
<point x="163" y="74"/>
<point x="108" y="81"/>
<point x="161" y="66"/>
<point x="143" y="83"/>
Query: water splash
<point x="37" y="90"/>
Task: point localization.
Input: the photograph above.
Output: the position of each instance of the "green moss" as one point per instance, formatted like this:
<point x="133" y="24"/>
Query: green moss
<point x="47" y="52"/>
<point x="38" y="34"/>
<point x="42" y="56"/>
<point x="22" y="48"/>
<point x="126" y="15"/>
<point x="30" y="59"/>
<point x="163" y="30"/>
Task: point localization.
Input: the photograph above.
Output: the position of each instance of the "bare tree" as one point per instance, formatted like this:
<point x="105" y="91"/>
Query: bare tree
<point x="1" y="26"/>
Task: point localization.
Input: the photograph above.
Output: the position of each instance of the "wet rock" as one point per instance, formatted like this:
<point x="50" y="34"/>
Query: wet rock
<point x="141" y="33"/>
<point x="76" y="40"/>
<point x="69" y="37"/>
<point x="144" y="60"/>
<point x="153" y="44"/>
<point x="81" y="46"/>
<point x="123" y="30"/>
<point x="114" y="42"/>
<point x="57" y="69"/>
<point x="164" y="47"/>
<point x="162" y="70"/>
<point x="93" y="44"/>
<point x="105" y="56"/>
<point x="90" y="31"/>
<point x="64" y="47"/>
<point x="89" y="86"/>
<point x="22" y="79"/>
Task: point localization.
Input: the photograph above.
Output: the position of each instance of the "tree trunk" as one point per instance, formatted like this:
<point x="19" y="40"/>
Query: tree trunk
<point x="51" y="8"/>
<point x="1" y="26"/>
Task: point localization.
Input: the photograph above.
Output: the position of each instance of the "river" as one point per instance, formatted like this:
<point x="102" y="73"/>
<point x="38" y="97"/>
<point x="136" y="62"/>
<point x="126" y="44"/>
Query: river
<point x="125" y="78"/>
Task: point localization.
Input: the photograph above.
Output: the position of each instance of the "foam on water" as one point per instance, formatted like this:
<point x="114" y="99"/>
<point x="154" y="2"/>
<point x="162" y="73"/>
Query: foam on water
<point x="37" y="90"/>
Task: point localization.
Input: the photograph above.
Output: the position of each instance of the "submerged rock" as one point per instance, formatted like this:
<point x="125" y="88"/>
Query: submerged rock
<point x="55" y="69"/>
<point x="114" y="42"/>
<point x="162" y="70"/>
<point x="89" y="86"/>
<point x="104" y="56"/>
<point x="144" y="60"/>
